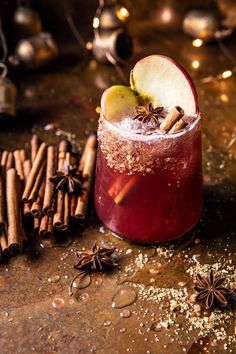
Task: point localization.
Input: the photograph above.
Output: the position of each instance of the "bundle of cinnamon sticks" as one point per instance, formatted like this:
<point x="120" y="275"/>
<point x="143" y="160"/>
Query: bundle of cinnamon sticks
<point x="48" y="189"/>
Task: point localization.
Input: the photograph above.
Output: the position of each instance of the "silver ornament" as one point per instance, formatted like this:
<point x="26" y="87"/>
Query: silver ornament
<point x="7" y="94"/>
<point x="26" y="22"/>
<point x="36" y="51"/>
<point x="201" y="24"/>
<point x="117" y="44"/>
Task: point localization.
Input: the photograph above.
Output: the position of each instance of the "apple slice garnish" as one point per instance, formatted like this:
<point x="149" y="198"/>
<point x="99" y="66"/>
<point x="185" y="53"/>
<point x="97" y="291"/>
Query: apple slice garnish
<point x="118" y="102"/>
<point x="164" y="83"/>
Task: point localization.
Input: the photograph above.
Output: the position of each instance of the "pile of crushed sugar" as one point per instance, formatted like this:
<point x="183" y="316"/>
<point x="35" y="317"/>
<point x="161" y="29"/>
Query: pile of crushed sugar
<point x="181" y="302"/>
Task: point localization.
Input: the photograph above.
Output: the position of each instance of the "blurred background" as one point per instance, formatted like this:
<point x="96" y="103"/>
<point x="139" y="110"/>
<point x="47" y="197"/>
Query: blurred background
<point x="57" y="57"/>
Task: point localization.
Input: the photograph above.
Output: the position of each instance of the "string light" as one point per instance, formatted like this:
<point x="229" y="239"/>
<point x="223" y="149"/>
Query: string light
<point x="122" y="13"/>
<point x="219" y="35"/>
<point x="195" y="64"/>
<point x="197" y="42"/>
<point x="226" y="74"/>
<point x="96" y="22"/>
<point x="224" y="98"/>
<point x="89" y="45"/>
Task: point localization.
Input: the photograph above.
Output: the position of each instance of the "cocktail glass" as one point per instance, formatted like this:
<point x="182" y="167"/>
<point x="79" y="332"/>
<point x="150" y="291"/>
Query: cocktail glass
<point x="148" y="188"/>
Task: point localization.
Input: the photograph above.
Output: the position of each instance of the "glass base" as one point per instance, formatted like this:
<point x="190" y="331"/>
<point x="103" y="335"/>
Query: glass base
<point x="138" y="242"/>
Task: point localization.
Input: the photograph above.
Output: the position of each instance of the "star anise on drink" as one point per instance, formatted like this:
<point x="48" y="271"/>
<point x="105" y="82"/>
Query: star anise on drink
<point x="68" y="179"/>
<point x="212" y="291"/>
<point x="98" y="258"/>
<point x="148" y="114"/>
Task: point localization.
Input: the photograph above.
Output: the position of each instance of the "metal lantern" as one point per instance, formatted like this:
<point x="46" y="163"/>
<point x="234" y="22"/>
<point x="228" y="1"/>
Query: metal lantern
<point x="27" y="22"/>
<point x="110" y="17"/>
<point x="117" y="44"/>
<point x="201" y="24"/>
<point x="7" y="94"/>
<point x="37" y="51"/>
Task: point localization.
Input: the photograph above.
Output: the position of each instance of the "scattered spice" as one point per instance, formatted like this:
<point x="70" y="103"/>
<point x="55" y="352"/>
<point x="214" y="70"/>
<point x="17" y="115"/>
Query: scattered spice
<point x="98" y="258"/>
<point x="95" y="259"/>
<point x="68" y="179"/>
<point x="212" y="290"/>
<point x="148" y="114"/>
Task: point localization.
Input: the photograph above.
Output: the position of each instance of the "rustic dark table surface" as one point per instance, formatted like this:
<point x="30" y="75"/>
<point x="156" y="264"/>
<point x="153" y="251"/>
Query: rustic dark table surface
<point x="37" y="314"/>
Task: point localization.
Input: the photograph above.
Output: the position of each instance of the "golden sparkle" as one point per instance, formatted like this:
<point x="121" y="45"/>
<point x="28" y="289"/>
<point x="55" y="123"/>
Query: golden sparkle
<point x="224" y="98"/>
<point x="122" y="13"/>
<point x="195" y="64"/>
<point x="197" y="42"/>
<point x="98" y="109"/>
<point x="226" y="74"/>
<point x="96" y="22"/>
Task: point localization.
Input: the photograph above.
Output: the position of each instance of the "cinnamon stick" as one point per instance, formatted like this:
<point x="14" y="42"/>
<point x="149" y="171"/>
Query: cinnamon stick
<point x="88" y="171"/>
<point x="178" y="126"/>
<point x="36" y="225"/>
<point x="66" y="216"/>
<point x="50" y="229"/>
<point x="14" y="234"/>
<point x="125" y="191"/>
<point x="89" y="162"/>
<point x="43" y="226"/>
<point x="18" y="164"/>
<point x="49" y="189"/>
<point x="46" y="226"/>
<point x="90" y="143"/>
<point x="3" y="243"/>
<point x="82" y="202"/>
<point x="58" y="217"/>
<point x="34" y="147"/>
<point x="172" y="117"/>
<point x="26" y="171"/>
<point x="73" y="204"/>
<point x="36" y="208"/>
<point x="34" y="192"/>
<point x="2" y="201"/>
<point x="38" y="162"/>
<point x="22" y="155"/>
<point x="10" y="161"/>
<point x="4" y="158"/>
<point x="114" y="189"/>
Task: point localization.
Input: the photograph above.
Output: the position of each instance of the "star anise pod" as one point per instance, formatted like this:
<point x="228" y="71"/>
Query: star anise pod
<point x="211" y="290"/>
<point x="68" y="179"/>
<point x="95" y="259"/>
<point x="91" y="260"/>
<point x="148" y="114"/>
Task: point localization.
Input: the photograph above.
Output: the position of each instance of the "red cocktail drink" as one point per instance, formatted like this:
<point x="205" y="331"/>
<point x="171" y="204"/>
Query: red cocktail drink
<point x="149" y="171"/>
<point x="149" y="188"/>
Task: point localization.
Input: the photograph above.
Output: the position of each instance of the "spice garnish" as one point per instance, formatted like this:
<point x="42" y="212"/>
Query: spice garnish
<point x="148" y="114"/>
<point x="68" y="179"/>
<point x="98" y="258"/>
<point x="95" y="259"/>
<point x="212" y="290"/>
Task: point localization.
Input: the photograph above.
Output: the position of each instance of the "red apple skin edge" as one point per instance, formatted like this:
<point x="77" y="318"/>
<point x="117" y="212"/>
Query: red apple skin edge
<point x="188" y="77"/>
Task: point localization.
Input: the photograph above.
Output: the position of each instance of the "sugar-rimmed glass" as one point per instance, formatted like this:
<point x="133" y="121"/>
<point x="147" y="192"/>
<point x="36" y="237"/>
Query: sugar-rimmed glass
<point x="149" y="187"/>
